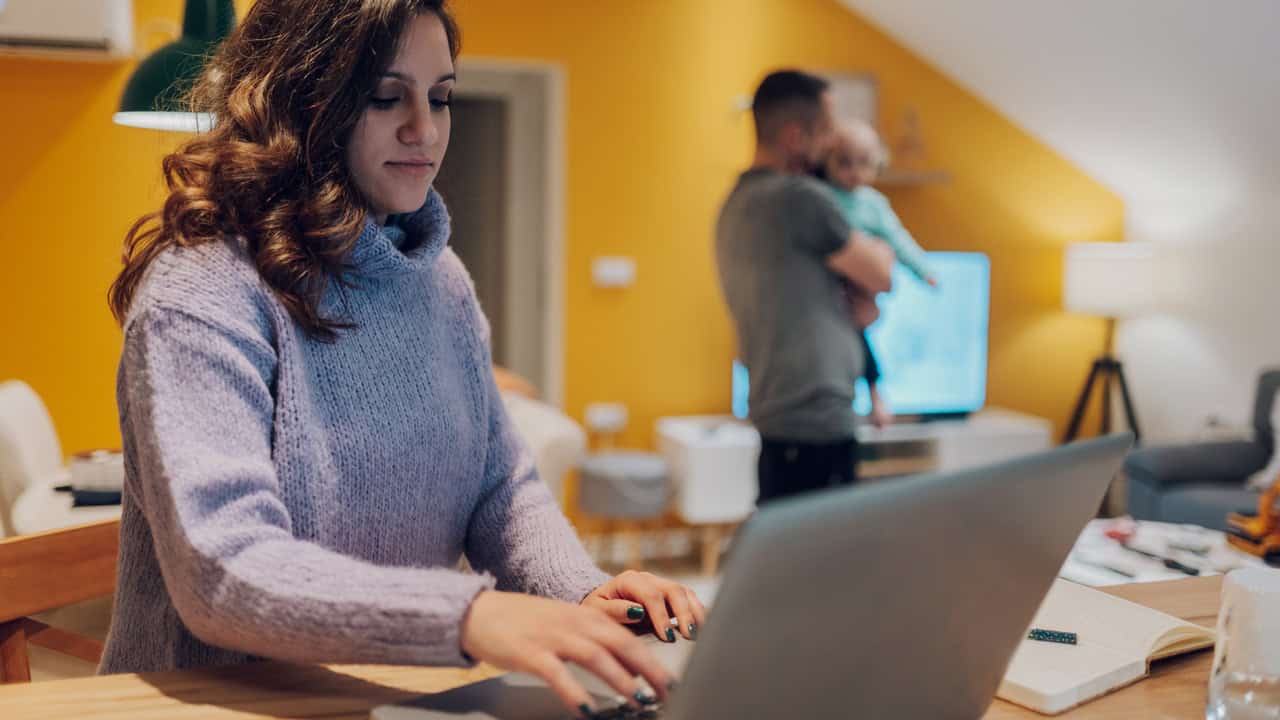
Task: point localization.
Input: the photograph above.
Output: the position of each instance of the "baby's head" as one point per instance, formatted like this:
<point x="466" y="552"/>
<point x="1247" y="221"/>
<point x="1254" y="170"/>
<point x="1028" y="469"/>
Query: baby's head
<point x="855" y="156"/>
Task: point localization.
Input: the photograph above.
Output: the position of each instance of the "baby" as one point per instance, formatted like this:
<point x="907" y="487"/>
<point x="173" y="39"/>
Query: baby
<point x="852" y="164"/>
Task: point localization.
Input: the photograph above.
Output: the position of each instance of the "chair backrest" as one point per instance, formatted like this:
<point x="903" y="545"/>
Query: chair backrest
<point x="510" y="382"/>
<point x="1263" y="407"/>
<point x="29" y="448"/>
<point x="49" y="570"/>
<point x="557" y="442"/>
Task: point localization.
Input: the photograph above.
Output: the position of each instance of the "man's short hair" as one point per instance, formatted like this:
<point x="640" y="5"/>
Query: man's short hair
<point x="786" y="96"/>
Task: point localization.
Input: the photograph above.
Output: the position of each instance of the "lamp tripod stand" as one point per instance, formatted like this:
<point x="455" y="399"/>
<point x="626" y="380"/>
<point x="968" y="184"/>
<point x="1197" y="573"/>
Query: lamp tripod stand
<point x="1106" y="371"/>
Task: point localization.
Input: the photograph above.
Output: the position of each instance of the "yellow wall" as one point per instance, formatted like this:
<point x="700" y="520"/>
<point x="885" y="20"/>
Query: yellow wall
<point x="654" y="144"/>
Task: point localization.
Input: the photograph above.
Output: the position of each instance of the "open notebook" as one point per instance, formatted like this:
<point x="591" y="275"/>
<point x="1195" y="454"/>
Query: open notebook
<point x="1117" y="640"/>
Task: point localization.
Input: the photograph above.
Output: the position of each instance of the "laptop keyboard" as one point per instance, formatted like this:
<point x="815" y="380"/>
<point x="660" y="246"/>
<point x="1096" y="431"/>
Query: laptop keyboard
<point x="626" y="712"/>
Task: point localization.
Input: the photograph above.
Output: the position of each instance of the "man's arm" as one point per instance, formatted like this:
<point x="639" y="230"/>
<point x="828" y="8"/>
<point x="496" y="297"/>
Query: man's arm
<point x="865" y="262"/>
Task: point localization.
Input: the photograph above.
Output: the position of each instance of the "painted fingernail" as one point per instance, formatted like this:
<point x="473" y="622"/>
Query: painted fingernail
<point x="585" y="711"/>
<point x="635" y="613"/>
<point x="645" y="698"/>
<point x="693" y="631"/>
<point x="671" y="635"/>
<point x="672" y="684"/>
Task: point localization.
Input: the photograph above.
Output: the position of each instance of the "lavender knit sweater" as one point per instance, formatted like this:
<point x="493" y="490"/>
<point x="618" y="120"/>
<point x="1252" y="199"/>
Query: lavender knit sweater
<point x="306" y="501"/>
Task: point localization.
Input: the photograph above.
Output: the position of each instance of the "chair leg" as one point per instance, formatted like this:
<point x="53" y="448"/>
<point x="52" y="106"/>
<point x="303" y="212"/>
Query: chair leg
<point x="14" y="665"/>
<point x="61" y="641"/>
<point x="711" y="537"/>
<point x="635" y="558"/>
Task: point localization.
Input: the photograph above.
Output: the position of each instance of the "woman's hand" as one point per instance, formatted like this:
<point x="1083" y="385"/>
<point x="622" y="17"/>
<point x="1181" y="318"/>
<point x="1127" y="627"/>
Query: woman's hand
<point x="635" y="597"/>
<point x="537" y="636"/>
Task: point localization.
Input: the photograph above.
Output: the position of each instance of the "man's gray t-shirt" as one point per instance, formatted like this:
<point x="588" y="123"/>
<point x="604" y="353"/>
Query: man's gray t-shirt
<point x="795" y="335"/>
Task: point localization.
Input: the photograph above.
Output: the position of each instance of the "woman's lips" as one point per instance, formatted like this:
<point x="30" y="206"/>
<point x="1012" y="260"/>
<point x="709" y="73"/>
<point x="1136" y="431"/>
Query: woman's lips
<point x="412" y="168"/>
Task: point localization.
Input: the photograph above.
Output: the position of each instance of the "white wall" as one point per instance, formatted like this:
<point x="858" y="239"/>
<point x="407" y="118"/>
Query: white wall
<point x="1219" y="328"/>
<point x="1173" y="105"/>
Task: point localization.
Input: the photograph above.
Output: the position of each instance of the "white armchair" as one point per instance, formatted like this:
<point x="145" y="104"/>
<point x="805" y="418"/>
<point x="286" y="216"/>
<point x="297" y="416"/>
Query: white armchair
<point x="558" y="443"/>
<point x="30" y="453"/>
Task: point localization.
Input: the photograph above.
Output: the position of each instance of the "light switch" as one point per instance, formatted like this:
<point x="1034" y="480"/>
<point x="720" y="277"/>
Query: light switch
<point x="613" y="272"/>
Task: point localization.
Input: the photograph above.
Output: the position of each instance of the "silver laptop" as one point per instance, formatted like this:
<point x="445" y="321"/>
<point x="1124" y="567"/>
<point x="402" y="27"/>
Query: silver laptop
<point x="902" y="599"/>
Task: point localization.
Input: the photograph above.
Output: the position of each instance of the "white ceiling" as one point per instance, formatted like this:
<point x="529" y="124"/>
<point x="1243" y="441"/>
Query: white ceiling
<point x="1173" y="104"/>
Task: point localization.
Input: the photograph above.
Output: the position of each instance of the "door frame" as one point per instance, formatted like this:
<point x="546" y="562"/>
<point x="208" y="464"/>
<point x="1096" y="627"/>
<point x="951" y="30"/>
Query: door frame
<point x="535" y="220"/>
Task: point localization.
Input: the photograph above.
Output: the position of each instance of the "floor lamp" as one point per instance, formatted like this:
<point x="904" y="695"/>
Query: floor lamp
<point x="1111" y="280"/>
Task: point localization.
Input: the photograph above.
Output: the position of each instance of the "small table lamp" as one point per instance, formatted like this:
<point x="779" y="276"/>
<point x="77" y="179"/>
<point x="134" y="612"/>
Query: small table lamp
<point x="154" y="96"/>
<point x="1112" y="280"/>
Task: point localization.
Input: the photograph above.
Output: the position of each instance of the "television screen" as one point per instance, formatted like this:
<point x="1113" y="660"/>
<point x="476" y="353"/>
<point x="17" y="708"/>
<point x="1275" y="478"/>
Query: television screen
<point x="931" y="342"/>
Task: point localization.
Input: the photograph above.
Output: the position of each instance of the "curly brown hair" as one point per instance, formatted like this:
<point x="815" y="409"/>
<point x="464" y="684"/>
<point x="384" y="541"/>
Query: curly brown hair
<point x="286" y="88"/>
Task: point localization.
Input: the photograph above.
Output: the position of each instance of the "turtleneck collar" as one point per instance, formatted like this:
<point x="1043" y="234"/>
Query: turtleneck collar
<point x="426" y="232"/>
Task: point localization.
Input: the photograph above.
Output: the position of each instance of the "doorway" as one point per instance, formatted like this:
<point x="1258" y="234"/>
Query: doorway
<point x="503" y="182"/>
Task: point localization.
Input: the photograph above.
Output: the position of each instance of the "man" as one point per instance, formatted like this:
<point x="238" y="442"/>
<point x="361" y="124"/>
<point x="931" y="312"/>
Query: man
<point x="799" y="284"/>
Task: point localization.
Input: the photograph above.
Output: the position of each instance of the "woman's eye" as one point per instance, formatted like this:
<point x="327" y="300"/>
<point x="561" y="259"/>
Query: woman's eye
<point x="383" y="103"/>
<point x="441" y="103"/>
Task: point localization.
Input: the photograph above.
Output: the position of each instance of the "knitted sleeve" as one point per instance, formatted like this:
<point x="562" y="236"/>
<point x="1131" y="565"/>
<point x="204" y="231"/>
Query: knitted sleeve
<point x="518" y="532"/>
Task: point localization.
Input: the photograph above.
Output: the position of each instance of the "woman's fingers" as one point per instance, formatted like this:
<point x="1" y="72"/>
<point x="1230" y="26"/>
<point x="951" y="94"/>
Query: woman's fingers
<point x="556" y="675"/>
<point x="699" y="610"/>
<point x="539" y="635"/>
<point x="631" y="652"/>
<point x="671" y="608"/>
<point x="601" y="661"/>
<point x="678" y="601"/>
<point x="622" y="611"/>
<point x="655" y="605"/>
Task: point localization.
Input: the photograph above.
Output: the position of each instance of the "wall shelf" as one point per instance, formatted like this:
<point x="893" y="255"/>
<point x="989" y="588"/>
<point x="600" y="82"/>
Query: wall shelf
<point x="73" y="55"/>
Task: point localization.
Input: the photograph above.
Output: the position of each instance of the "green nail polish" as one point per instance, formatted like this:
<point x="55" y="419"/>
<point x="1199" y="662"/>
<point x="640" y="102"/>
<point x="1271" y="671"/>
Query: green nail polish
<point x="671" y="635"/>
<point x="672" y="685"/>
<point x="645" y="698"/>
<point x="693" y="631"/>
<point x="585" y="710"/>
<point x="635" y="613"/>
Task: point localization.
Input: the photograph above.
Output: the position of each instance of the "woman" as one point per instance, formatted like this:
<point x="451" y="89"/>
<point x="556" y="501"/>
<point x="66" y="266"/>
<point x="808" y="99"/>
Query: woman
<point x="312" y="433"/>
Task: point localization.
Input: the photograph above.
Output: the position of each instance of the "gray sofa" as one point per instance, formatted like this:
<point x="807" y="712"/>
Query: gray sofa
<point x="1201" y="483"/>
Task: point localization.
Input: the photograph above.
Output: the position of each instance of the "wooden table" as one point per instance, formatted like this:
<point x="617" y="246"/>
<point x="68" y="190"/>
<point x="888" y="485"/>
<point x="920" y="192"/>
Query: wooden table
<point x="281" y="690"/>
<point x="40" y="508"/>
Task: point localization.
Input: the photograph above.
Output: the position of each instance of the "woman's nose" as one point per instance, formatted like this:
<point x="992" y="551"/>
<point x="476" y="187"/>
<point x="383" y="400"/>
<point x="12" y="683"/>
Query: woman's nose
<point x="419" y="128"/>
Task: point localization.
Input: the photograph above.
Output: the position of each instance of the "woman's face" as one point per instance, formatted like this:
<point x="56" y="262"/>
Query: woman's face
<point x="399" y="142"/>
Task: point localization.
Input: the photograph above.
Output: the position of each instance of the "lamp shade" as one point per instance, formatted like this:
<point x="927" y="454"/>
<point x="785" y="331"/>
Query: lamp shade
<point x="1109" y="279"/>
<point x="153" y="97"/>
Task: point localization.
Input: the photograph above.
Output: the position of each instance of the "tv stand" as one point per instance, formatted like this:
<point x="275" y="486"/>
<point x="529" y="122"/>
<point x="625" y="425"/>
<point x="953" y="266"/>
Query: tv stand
<point x="933" y="417"/>
<point x="941" y="444"/>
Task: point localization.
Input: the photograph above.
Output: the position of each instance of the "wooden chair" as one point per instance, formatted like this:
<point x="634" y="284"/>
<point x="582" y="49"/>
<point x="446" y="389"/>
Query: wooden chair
<point x="508" y="381"/>
<point x="50" y="570"/>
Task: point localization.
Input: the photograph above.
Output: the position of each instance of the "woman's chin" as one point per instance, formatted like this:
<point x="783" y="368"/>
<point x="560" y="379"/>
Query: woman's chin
<point x="410" y="204"/>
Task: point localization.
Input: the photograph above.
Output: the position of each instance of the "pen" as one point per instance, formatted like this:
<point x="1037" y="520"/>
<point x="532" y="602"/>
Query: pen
<point x="1168" y="562"/>
<point x="1056" y="636"/>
